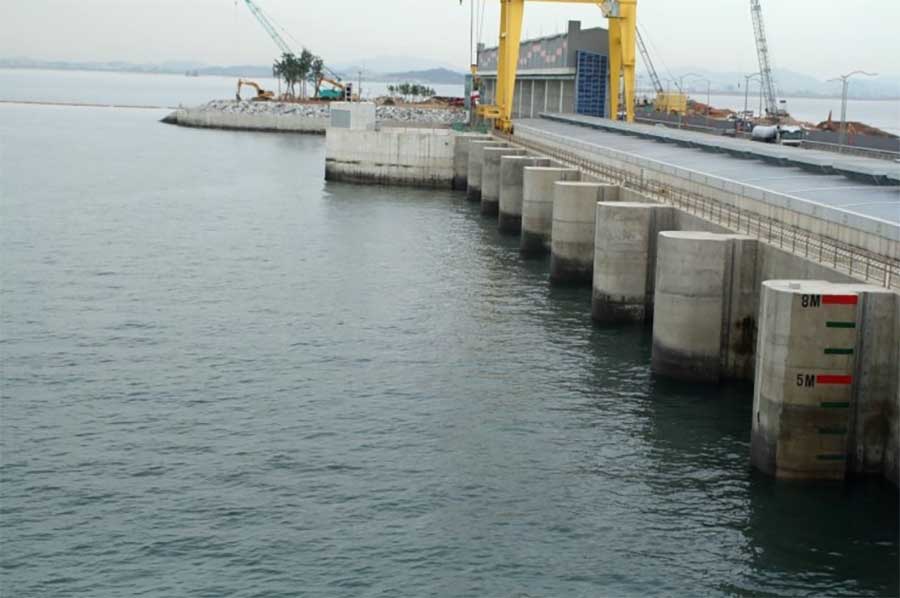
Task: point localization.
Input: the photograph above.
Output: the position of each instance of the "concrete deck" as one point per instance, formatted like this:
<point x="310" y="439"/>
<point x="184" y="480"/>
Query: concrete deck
<point x="861" y="186"/>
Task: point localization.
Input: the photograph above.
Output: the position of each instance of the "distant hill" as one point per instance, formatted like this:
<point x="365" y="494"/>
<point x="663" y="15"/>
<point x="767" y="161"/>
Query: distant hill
<point x="440" y="76"/>
<point x="437" y="76"/>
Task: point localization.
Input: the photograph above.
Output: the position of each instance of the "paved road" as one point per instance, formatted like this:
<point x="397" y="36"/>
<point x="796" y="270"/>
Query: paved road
<point x="835" y="190"/>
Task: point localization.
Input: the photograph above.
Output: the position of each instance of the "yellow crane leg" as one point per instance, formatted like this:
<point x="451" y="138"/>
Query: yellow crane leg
<point x="622" y="15"/>
<point x="511" y="12"/>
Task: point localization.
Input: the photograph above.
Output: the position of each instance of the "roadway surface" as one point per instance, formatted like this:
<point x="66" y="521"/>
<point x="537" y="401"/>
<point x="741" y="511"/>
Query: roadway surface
<point x="773" y="168"/>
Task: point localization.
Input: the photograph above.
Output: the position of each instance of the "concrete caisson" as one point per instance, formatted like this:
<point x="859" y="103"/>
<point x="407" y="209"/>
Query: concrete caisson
<point x="572" y="229"/>
<point x="512" y="177"/>
<point x="537" y="206"/>
<point x="461" y="159"/>
<point x="490" y="177"/>
<point x="704" y="306"/>
<point x="476" y="161"/>
<point x="625" y="236"/>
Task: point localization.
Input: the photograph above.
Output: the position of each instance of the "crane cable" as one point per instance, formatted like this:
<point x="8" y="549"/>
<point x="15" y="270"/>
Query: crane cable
<point x="654" y="52"/>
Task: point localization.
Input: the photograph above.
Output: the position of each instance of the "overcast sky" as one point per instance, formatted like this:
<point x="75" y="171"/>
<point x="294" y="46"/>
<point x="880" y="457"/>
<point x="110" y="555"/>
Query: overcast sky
<point x="819" y="37"/>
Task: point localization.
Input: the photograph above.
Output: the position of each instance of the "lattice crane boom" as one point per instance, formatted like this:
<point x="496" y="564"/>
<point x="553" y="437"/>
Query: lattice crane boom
<point x="765" y="63"/>
<point x="267" y="24"/>
<point x="648" y="63"/>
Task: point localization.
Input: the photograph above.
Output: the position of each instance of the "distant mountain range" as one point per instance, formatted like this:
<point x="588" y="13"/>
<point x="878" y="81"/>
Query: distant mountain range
<point x="439" y="76"/>
<point x="788" y="83"/>
<point x="423" y="70"/>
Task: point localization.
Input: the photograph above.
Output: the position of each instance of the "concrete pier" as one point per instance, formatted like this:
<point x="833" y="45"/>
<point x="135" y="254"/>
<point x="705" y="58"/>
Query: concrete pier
<point x="512" y="178"/>
<point x="461" y="159"/>
<point x="826" y="393"/>
<point x="490" y="177"/>
<point x="572" y="229"/>
<point x="704" y="306"/>
<point x="476" y="160"/>
<point x="537" y="206"/>
<point x="625" y="236"/>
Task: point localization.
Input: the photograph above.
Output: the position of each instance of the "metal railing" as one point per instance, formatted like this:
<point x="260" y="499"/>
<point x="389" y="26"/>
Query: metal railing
<point x="856" y="262"/>
<point x="851" y="150"/>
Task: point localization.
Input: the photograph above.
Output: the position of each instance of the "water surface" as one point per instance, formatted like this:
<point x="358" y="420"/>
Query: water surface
<point x="225" y="377"/>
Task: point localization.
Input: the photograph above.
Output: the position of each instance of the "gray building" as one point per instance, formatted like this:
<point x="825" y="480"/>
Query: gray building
<point x="566" y="73"/>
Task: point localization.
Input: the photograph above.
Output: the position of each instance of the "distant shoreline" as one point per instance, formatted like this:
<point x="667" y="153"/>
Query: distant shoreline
<point x="86" y="104"/>
<point x="645" y="91"/>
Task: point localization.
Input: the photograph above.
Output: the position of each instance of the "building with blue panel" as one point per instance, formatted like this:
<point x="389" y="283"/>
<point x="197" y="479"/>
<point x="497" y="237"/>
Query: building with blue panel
<point x="565" y="73"/>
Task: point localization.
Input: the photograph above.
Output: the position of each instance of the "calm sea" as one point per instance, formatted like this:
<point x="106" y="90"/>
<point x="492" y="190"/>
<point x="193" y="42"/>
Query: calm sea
<point x="222" y="376"/>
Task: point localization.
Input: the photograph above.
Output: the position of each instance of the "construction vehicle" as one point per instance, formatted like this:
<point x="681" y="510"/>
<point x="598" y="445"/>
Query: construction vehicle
<point x="781" y="134"/>
<point x="338" y="91"/>
<point x="668" y="102"/>
<point x="262" y="95"/>
<point x="622" y="15"/>
<point x="765" y="62"/>
<point x="270" y="27"/>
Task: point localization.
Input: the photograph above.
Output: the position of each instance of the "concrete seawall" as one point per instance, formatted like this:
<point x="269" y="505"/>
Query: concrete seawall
<point x="394" y="156"/>
<point x="283" y="123"/>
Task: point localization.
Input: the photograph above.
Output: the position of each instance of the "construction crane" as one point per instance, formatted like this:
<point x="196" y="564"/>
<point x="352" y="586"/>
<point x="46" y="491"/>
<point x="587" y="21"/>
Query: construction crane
<point x="648" y="64"/>
<point x="283" y="46"/>
<point x="267" y="24"/>
<point x="665" y="101"/>
<point x="765" y="63"/>
<point x="622" y="15"/>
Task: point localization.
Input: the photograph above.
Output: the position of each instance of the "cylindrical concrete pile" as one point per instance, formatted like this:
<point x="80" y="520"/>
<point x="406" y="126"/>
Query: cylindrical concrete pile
<point x="625" y="259"/>
<point x="688" y="304"/>
<point x="803" y="396"/>
<point x="461" y="159"/>
<point x="490" y="177"/>
<point x="476" y="161"/>
<point x="572" y="230"/>
<point x="537" y="206"/>
<point x="512" y="178"/>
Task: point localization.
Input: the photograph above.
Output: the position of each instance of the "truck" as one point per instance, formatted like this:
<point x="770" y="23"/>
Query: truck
<point x="783" y="134"/>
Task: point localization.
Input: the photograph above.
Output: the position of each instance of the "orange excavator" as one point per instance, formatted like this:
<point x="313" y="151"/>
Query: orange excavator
<point x="262" y="95"/>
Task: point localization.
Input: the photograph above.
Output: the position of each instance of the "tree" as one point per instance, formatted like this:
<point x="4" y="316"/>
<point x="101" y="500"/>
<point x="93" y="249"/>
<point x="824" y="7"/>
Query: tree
<point x="316" y="73"/>
<point x="286" y="68"/>
<point x="304" y="65"/>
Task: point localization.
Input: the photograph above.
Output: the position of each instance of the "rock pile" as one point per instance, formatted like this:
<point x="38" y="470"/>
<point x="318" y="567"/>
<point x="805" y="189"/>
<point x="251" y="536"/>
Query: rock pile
<point x="392" y="114"/>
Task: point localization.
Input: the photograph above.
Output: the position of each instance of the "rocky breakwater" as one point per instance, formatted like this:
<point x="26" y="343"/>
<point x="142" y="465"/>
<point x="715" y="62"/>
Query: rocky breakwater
<point x="300" y="118"/>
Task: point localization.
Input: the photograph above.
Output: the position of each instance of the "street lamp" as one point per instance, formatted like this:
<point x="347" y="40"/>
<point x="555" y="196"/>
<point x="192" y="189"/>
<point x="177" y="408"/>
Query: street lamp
<point x="747" y="79"/>
<point x="844" y="79"/>
<point x="681" y="89"/>
<point x="708" y="87"/>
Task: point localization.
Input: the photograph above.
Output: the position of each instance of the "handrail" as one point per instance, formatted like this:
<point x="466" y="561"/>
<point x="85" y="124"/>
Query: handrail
<point x="843" y="257"/>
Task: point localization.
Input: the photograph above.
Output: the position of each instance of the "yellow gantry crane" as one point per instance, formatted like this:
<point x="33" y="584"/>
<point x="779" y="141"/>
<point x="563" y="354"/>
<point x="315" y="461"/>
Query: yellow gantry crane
<point x="622" y="15"/>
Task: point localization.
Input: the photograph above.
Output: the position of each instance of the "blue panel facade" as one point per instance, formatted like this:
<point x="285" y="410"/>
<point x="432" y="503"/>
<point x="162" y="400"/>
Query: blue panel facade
<point x="590" y="83"/>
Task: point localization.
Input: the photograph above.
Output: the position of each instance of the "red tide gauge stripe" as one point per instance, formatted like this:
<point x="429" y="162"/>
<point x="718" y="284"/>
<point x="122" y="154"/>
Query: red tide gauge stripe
<point x="840" y="299"/>
<point x="833" y="379"/>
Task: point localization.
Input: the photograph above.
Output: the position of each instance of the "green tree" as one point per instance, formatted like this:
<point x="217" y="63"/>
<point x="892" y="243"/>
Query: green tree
<point x="304" y="66"/>
<point x="316" y="73"/>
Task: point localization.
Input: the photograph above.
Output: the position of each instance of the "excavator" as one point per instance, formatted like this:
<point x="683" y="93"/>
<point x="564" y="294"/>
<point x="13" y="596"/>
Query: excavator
<point x="339" y="91"/>
<point x="262" y="95"/>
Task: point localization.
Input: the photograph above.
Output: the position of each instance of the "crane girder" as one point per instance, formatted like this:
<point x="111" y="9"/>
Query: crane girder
<point x="622" y="15"/>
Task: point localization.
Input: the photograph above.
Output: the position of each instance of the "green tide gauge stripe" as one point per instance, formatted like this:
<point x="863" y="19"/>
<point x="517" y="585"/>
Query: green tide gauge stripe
<point x="835" y="405"/>
<point x="838" y="351"/>
<point x="833" y="324"/>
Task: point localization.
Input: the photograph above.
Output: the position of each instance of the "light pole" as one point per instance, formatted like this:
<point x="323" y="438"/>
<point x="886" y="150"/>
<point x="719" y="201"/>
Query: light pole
<point x="708" y="87"/>
<point x="747" y="79"/>
<point x="681" y="89"/>
<point x="844" y="79"/>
